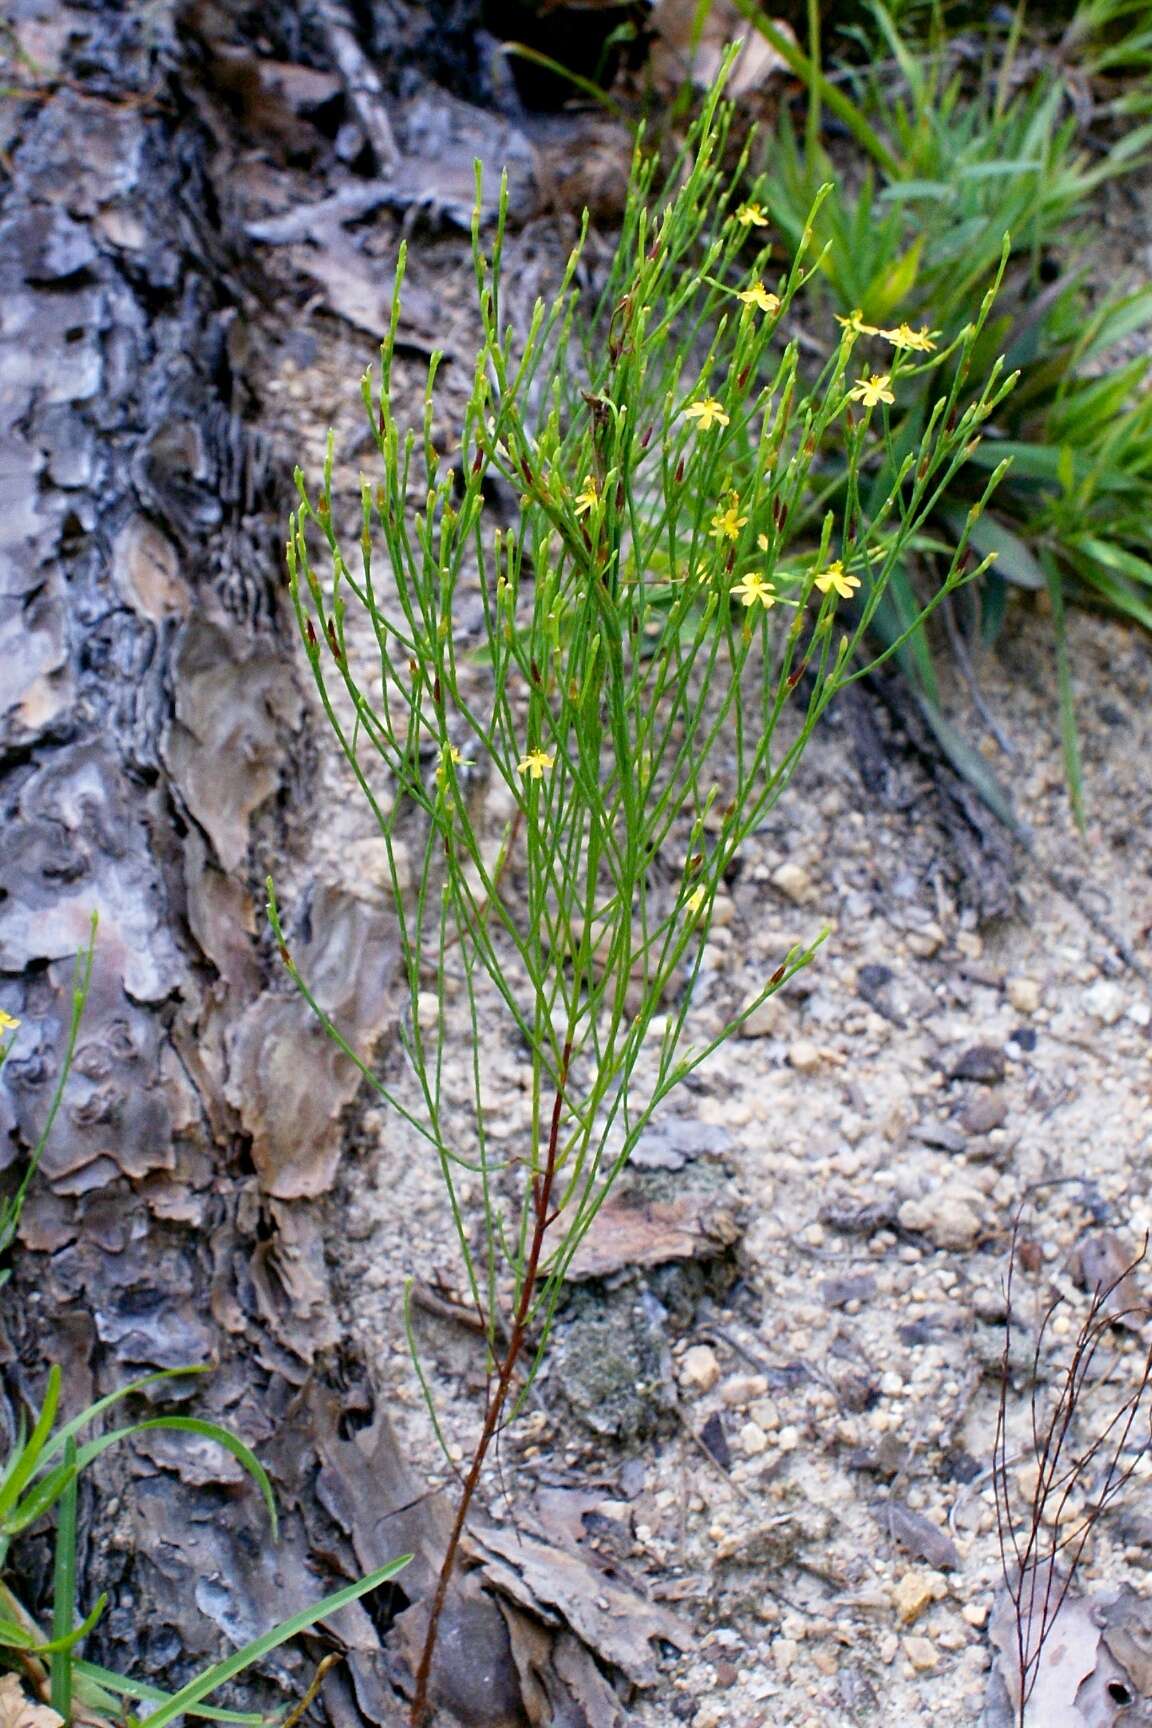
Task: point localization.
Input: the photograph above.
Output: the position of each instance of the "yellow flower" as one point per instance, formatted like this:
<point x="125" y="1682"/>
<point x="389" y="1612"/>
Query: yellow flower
<point x="589" y="498"/>
<point x="753" y="588"/>
<point x="855" y="323"/>
<point x="905" y="337"/>
<point x="448" y="753"/>
<point x="7" y="1023"/>
<point x="534" y="764"/>
<point x="726" y="524"/>
<point x="752" y="216"/>
<point x="706" y="413"/>
<point x="762" y="542"/>
<point x="872" y="390"/>
<point x="694" y="901"/>
<point x="835" y="578"/>
<point x="759" y="296"/>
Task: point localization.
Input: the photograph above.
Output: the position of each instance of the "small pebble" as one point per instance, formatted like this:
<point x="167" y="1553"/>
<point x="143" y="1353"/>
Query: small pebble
<point x="1024" y="994"/>
<point x="921" y="1653"/>
<point x="765" y="1019"/>
<point x="912" y="1595"/>
<point x="699" y="1369"/>
<point x="740" y="1389"/>
<point x="793" y="881"/>
<point x="805" y="1056"/>
<point x="753" y="1440"/>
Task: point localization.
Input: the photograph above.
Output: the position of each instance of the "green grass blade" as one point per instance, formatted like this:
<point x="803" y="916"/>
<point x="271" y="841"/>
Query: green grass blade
<point x="1069" y="735"/>
<point x="833" y="98"/>
<point x="64" y="1594"/>
<point x="44" y="1495"/>
<point x="28" y="1457"/>
<point x="66" y="1432"/>
<point x="99" y="1688"/>
<point x="521" y="51"/>
<point x="81" y="984"/>
<point x="189" y="1696"/>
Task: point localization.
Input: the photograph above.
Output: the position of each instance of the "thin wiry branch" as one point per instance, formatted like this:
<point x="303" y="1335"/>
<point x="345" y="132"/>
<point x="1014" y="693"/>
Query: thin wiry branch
<point x="1036" y="1588"/>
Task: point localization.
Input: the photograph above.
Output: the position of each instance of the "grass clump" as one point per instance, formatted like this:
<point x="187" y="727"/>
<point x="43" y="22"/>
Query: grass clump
<point x="703" y="542"/>
<point x="956" y="158"/>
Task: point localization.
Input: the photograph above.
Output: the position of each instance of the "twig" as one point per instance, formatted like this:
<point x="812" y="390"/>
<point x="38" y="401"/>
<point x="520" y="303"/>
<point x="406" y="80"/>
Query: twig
<point x="363" y="87"/>
<point x="542" y="1217"/>
<point x="326" y="1665"/>
<point x="1036" y="1589"/>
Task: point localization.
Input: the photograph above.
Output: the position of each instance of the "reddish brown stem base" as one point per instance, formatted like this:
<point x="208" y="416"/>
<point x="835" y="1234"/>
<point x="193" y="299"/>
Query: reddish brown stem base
<point x="542" y="1217"/>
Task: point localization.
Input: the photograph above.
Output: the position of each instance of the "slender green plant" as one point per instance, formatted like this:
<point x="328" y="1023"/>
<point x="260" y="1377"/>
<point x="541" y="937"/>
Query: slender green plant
<point x="660" y="637"/>
<point x="40" y="1475"/>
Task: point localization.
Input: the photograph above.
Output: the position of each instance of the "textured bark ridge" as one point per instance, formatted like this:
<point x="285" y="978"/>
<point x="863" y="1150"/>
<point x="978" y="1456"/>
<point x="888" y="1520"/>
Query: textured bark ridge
<point x="152" y="768"/>
<point x="155" y="764"/>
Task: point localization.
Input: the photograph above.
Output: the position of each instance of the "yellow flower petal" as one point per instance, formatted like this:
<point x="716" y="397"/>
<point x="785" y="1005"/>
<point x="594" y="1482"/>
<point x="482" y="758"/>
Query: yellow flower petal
<point x="753" y="588"/>
<point x="706" y="413"/>
<point x="759" y="296"/>
<point x="835" y="578"/>
<point x="903" y="336"/>
<point x="534" y="764"/>
<point x="855" y="323"/>
<point x="871" y="390"/>
<point x="588" y="498"/>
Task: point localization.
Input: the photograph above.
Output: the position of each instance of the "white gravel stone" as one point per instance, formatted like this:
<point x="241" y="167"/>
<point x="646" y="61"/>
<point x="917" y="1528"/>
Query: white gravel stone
<point x="951" y="1217"/>
<point x="793" y="881"/>
<point x="1024" y="994"/>
<point x="699" y="1369"/>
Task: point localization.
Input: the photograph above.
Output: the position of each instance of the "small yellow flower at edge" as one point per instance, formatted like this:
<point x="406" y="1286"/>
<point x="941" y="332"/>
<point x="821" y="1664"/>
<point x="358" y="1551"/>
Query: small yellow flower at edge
<point x="7" y="1023"/>
<point x="872" y="390"/>
<point x="752" y="216"/>
<point x="706" y="413"/>
<point x="855" y="323"/>
<point x="694" y="901"/>
<point x="754" y="588"/>
<point x="588" y="498"/>
<point x="448" y="753"/>
<point x="759" y="296"/>
<point x="726" y="524"/>
<point x="920" y="341"/>
<point x="835" y="578"/>
<point x="534" y="764"/>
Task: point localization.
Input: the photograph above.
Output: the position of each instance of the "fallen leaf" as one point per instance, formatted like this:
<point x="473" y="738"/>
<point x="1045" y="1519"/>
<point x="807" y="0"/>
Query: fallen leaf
<point x="631" y="1230"/>
<point x="920" y="1537"/>
<point x="685" y="47"/>
<point x="1101" y="1263"/>
<point x="17" y="1711"/>
<point x="554" y="1582"/>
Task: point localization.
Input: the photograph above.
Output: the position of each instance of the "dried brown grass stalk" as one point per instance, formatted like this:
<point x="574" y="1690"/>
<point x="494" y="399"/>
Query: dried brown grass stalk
<point x="1074" y="1453"/>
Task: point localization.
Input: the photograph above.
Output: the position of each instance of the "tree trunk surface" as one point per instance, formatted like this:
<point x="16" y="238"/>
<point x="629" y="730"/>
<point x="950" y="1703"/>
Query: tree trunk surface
<point x="155" y="766"/>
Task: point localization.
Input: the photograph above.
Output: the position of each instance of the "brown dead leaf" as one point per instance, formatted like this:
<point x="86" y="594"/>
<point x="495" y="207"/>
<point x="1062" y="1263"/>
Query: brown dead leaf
<point x="632" y="1230"/>
<point x="685" y="50"/>
<point x="560" y="1684"/>
<point x="1101" y="1263"/>
<point x="18" y="1711"/>
<point x="608" y="1616"/>
<point x="286" y="1078"/>
<point x="1095" y="1663"/>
